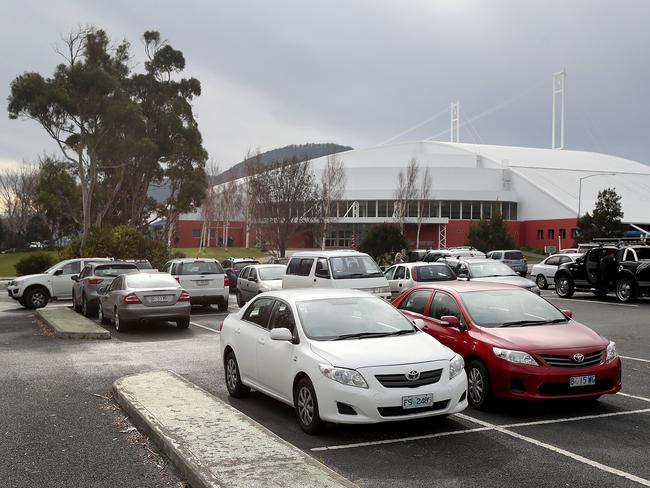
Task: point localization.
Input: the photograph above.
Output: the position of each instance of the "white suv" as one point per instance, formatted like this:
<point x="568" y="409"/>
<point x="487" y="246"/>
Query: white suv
<point x="34" y="291"/>
<point x="203" y="278"/>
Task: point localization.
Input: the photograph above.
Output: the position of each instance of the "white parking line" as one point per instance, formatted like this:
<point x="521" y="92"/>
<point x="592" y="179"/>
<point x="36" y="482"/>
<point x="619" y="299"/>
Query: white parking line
<point x="484" y="427"/>
<point x="564" y="452"/>
<point x="204" y="327"/>
<point x="635" y="359"/>
<point x="591" y="301"/>
<point x="634" y="396"/>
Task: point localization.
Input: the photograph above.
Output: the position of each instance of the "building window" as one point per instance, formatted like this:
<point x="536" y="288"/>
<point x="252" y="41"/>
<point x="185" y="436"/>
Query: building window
<point x="551" y="234"/>
<point x="486" y="210"/>
<point x="455" y="209"/>
<point x="372" y="208"/>
<point x="476" y="210"/>
<point x="466" y="210"/>
<point x="562" y="233"/>
<point x="540" y="234"/>
<point x="513" y="210"/>
<point x="434" y="208"/>
<point x="445" y="209"/>
<point x="574" y="233"/>
<point x="196" y="233"/>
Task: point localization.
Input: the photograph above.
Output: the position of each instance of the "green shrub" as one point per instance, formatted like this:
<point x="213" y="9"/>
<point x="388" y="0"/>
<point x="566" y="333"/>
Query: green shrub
<point x="179" y="255"/>
<point x="383" y="239"/>
<point x="120" y="242"/>
<point x="33" y="263"/>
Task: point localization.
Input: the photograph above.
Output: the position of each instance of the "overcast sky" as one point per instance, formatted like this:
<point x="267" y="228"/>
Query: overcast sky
<point x="357" y="72"/>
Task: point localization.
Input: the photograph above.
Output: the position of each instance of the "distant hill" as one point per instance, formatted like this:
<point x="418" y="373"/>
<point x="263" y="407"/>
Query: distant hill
<point x="302" y="152"/>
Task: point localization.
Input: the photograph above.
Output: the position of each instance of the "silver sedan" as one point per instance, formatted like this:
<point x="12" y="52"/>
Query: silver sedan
<point x="142" y="297"/>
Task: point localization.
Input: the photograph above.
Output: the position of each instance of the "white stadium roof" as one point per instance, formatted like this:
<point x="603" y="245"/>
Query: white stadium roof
<point x="550" y="176"/>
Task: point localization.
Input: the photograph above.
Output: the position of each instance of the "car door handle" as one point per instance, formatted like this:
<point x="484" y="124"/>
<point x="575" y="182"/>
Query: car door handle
<point x="238" y="331"/>
<point x="260" y="340"/>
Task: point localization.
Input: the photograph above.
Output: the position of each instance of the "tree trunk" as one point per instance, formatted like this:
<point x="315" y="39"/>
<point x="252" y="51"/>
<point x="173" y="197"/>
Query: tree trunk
<point x="417" y="237"/>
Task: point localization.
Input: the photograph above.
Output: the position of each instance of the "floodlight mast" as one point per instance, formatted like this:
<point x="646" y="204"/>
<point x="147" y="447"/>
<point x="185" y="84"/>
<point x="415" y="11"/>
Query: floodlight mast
<point x="454" y="127"/>
<point x="558" y="92"/>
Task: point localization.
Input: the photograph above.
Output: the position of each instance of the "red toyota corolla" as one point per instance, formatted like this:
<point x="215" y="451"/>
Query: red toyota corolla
<point x="515" y="344"/>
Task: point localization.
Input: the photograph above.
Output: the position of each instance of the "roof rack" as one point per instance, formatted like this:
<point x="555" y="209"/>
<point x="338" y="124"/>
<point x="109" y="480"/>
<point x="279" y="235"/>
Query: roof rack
<point x="620" y="241"/>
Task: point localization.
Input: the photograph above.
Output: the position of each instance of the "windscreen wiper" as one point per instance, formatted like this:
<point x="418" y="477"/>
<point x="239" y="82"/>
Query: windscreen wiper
<point x="361" y="335"/>
<point x="524" y="323"/>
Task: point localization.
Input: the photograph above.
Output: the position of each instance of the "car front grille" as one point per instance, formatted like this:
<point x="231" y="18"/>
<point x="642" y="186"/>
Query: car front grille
<point x="591" y="359"/>
<point x="397" y="411"/>
<point x="401" y="381"/>
<point x="563" y="389"/>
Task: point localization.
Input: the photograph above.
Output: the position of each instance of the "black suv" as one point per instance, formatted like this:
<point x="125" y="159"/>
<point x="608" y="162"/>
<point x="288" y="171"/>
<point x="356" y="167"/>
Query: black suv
<point x="620" y="267"/>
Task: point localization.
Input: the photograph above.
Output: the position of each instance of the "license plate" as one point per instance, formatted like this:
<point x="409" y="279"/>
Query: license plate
<point x="202" y="282"/>
<point x="582" y="380"/>
<point x="159" y="299"/>
<point x="417" y="401"/>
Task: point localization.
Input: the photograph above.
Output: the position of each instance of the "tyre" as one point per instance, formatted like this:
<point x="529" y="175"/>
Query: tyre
<point x="120" y="325"/>
<point x="541" y="282"/>
<point x="625" y="290"/>
<point x="601" y="294"/>
<point x="240" y="300"/>
<point x="183" y="323"/>
<point x="87" y="310"/>
<point x="222" y="305"/>
<point x="236" y="388"/>
<point x="36" y="297"/>
<point x="564" y="287"/>
<point x="100" y="313"/>
<point x="75" y="306"/>
<point x="479" y="390"/>
<point x="306" y="405"/>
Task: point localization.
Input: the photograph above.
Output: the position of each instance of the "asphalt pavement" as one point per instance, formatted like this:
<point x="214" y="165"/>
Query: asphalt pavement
<point x="58" y="430"/>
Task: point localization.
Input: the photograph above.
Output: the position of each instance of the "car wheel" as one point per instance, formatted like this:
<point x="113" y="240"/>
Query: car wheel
<point x="541" y="282"/>
<point x="236" y="388"/>
<point x="100" y="313"/>
<point x="306" y="405"/>
<point x="240" y="300"/>
<point x="75" y="306"/>
<point x="625" y="291"/>
<point x="564" y="287"/>
<point x="183" y="323"/>
<point x="120" y="325"/>
<point x="36" y="298"/>
<point x="222" y="305"/>
<point x="479" y="391"/>
<point x="87" y="309"/>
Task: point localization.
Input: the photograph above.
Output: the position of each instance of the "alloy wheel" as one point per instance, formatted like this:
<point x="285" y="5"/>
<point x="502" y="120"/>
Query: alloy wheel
<point x="476" y="386"/>
<point x="116" y="317"/>
<point x="84" y="307"/>
<point x="100" y="314"/>
<point x="231" y="373"/>
<point x="624" y="290"/>
<point x="38" y="299"/>
<point x="305" y="406"/>
<point x="563" y="286"/>
<point x="541" y="282"/>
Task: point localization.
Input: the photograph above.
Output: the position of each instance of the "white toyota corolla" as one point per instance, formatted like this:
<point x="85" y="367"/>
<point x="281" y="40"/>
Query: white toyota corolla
<point x="340" y="356"/>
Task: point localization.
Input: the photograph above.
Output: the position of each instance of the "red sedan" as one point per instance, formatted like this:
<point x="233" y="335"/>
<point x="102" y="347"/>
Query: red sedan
<point x="515" y="344"/>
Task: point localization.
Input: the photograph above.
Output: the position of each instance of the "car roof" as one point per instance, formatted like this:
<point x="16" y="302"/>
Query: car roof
<point x="505" y="250"/>
<point x="302" y="294"/>
<point x="191" y="260"/>
<point x="469" y="260"/>
<point x="328" y="254"/>
<point x="467" y="286"/>
<point x="239" y="260"/>
<point x="111" y="263"/>
<point x="266" y="265"/>
<point x="422" y="263"/>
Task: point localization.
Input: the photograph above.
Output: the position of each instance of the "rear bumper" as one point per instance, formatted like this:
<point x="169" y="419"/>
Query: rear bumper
<point x="547" y="383"/>
<point x="209" y="296"/>
<point x="144" y="313"/>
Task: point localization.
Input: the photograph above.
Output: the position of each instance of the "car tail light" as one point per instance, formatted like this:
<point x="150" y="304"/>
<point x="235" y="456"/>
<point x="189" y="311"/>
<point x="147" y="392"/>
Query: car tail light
<point x="185" y="297"/>
<point x="220" y="326"/>
<point x="95" y="281"/>
<point x="226" y="281"/>
<point x="132" y="299"/>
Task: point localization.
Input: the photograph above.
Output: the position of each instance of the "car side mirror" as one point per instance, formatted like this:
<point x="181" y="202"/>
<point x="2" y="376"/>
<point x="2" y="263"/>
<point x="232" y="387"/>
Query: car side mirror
<point x="567" y="313"/>
<point x="281" y="334"/>
<point x="74" y="277"/>
<point x="322" y="274"/>
<point x="450" y="321"/>
<point x="420" y="324"/>
<point x="58" y="272"/>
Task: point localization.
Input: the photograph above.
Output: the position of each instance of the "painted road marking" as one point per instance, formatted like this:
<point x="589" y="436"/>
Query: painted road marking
<point x="634" y="396"/>
<point x="591" y="301"/>
<point x="485" y="426"/>
<point x="204" y="327"/>
<point x="564" y="452"/>
<point x="635" y="359"/>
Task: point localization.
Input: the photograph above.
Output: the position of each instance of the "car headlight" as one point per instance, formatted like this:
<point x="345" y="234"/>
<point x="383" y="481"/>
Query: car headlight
<point x="344" y="376"/>
<point x="611" y="352"/>
<point x="516" y="357"/>
<point x="382" y="289"/>
<point x="456" y="365"/>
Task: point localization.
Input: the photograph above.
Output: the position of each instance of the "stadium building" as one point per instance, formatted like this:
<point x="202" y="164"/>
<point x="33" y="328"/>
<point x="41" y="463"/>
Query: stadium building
<point x="539" y="192"/>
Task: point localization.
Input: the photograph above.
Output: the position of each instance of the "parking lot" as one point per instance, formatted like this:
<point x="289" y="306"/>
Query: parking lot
<point x="573" y="444"/>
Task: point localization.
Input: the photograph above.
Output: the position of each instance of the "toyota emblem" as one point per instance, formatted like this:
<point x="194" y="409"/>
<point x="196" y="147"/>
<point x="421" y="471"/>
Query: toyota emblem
<point x="413" y="375"/>
<point x="578" y="358"/>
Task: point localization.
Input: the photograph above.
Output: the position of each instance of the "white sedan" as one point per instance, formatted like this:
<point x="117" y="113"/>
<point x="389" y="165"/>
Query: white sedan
<point x="544" y="273"/>
<point x="340" y="356"/>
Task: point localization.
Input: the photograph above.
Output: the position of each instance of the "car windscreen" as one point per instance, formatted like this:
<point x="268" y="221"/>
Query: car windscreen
<point x="272" y="273"/>
<point x="509" y="308"/>
<point x="485" y="269"/>
<point x="356" y="317"/>
<point x="515" y="255"/>
<point x="643" y="253"/>
<point x="113" y="270"/>
<point x="200" y="268"/>
<point x="433" y="272"/>
<point x="350" y="267"/>
<point x="146" y="280"/>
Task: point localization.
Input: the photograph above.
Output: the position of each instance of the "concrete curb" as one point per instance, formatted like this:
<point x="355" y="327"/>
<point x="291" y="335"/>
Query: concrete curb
<point x="68" y="324"/>
<point x="207" y="459"/>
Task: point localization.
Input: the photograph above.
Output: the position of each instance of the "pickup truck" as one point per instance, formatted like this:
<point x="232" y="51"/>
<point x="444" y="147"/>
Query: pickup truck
<point x="624" y="270"/>
<point x="36" y="290"/>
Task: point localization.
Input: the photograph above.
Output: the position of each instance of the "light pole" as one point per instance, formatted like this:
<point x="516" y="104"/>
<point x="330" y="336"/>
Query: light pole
<point x="580" y="186"/>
